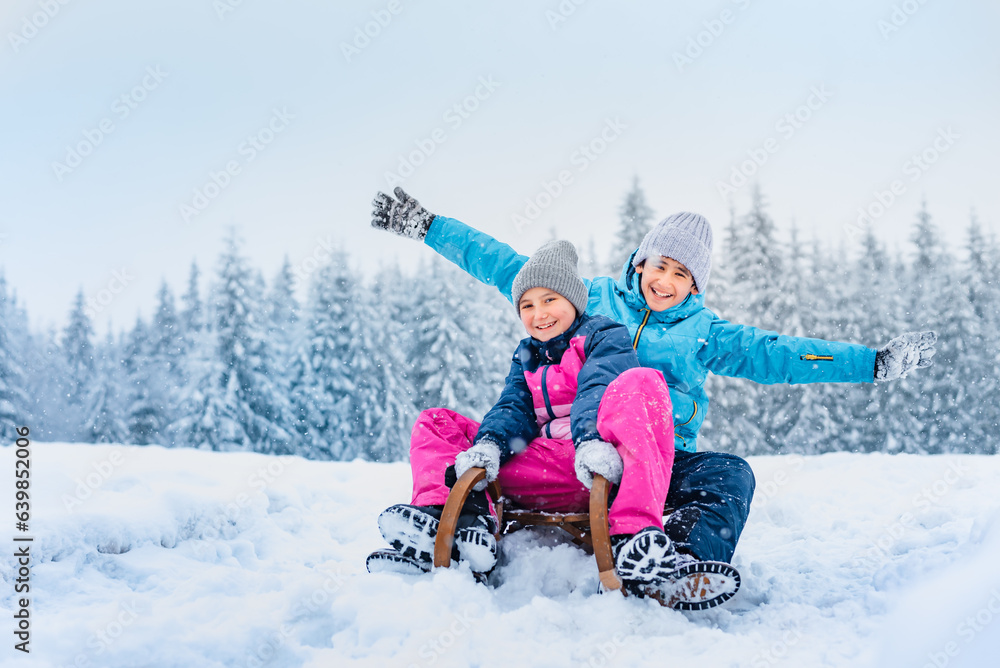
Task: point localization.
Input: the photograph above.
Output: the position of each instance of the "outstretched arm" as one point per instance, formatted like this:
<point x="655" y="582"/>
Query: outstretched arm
<point x="483" y="257"/>
<point x="769" y="357"/>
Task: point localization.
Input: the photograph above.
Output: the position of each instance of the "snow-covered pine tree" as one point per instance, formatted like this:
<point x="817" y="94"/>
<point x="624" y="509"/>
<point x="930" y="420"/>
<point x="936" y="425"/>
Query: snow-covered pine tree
<point x="104" y="420"/>
<point x="283" y="322"/>
<point x="237" y="405"/>
<point x="634" y="222"/>
<point x="46" y="388"/>
<point x="446" y="344"/>
<point x="939" y="302"/>
<point x="78" y="352"/>
<point x="166" y="332"/>
<point x="498" y="329"/>
<point x="192" y="314"/>
<point x="14" y="402"/>
<point x="323" y="381"/>
<point x="167" y="348"/>
<point x="385" y="392"/>
<point x="974" y="368"/>
<point x="304" y="402"/>
<point x="145" y="417"/>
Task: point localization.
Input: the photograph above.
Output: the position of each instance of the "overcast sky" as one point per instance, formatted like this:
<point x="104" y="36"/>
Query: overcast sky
<point x="136" y="133"/>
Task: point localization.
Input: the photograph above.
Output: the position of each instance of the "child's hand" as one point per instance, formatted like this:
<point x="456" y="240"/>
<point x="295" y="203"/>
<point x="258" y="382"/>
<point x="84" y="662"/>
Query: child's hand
<point x="404" y="217"/>
<point x="486" y="455"/>
<point x="598" y="457"/>
<point x="903" y="354"/>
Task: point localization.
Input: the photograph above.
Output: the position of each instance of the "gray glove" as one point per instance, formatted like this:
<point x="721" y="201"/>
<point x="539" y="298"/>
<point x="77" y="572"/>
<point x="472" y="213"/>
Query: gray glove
<point x="600" y="458"/>
<point x="404" y="217"/>
<point x="486" y="455"/>
<point x="903" y="354"/>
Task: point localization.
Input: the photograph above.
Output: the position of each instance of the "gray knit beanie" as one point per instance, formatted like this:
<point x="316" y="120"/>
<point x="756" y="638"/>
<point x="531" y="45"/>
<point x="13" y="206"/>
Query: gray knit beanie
<point x="685" y="237"/>
<point x="553" y="266"/>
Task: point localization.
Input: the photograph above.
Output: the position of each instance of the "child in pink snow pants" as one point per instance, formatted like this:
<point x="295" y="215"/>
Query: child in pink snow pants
<point x="634" y="415"/>
<point x="576" y="403"/>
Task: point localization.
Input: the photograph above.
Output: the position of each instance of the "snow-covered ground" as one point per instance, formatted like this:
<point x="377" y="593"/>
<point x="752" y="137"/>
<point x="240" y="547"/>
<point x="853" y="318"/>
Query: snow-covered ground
<point x="144" y="556"/>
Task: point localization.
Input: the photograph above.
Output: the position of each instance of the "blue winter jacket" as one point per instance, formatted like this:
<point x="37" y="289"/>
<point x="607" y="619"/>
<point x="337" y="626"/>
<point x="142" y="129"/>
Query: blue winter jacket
<point x="685" y="342"/>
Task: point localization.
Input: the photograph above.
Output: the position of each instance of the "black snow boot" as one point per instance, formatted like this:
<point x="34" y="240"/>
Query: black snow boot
<point x="411" y="531"/>
<point x="649" y="565"/>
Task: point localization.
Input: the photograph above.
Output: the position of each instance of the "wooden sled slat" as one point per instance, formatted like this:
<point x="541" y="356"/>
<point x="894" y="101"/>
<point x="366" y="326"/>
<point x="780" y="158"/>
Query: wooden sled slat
<point x="590" y="529"/>
<point x="539" y="519"/>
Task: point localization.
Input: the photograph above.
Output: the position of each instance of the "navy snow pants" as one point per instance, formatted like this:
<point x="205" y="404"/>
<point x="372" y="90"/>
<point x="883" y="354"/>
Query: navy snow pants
<point x="710" y="495"/>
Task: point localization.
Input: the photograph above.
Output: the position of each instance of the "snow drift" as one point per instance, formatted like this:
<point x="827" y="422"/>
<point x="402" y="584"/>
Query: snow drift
<point x="144" y="556"/>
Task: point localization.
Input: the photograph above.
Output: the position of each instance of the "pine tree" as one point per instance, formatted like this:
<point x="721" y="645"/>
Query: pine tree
<point x="47" y="376"/>
<point x="445" y="346"/>
<point x="78" y="354"/>
<point x="283" y="320"/>
<point x="385" y="394"/>
<point x="938" y="302"/>
<point x="14" y="402"/>
<point x="145" y="418"/>
<point x="104" y="420"/>
<point x="978" y="372"/>
<point x="192" y="315"/>
<point x="167" y="353"/>
<point x="324" y="379"/>
<point x="634" y="222"/>
<point x="78" y="348"/>
<point x="496" y="332"/>
<point x="237" y="405"/>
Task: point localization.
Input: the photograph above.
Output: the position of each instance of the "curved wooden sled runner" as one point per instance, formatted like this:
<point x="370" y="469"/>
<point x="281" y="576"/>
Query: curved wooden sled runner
<point x="586" y="529"/>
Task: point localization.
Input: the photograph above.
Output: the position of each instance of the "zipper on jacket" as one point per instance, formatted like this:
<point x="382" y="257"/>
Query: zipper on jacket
<point x="676" y="426"/>
<point x="690" y="418"/>
<point x="545" y="393"/>
<point x="638" y="333"/>
<point x="811" y="358"/>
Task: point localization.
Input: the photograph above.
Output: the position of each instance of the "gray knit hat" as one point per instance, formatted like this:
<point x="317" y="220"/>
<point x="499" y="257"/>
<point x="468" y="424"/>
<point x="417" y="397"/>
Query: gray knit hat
<point x="685" y="237"/>
<point x="553" y="266"/>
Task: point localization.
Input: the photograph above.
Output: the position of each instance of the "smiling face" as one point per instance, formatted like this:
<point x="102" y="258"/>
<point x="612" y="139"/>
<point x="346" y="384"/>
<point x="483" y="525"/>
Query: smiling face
<point x="665" y="282"/>
<point x="545" y="314"/>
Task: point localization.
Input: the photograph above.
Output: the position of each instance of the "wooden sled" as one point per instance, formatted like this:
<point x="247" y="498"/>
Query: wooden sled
<point x="589" y="529"/>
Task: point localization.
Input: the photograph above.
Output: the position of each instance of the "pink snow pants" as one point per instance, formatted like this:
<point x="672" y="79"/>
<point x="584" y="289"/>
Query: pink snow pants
<point x="635" y="416"/>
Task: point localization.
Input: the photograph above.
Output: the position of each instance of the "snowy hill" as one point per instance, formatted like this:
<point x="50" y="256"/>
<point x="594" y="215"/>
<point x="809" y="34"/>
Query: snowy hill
<point x="144" y="556"/>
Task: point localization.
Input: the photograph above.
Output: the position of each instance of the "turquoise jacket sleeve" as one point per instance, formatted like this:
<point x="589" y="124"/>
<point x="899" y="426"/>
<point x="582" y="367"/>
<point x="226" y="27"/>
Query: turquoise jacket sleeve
<point x="483" y="257"/>
<point x="769" y="357"/>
